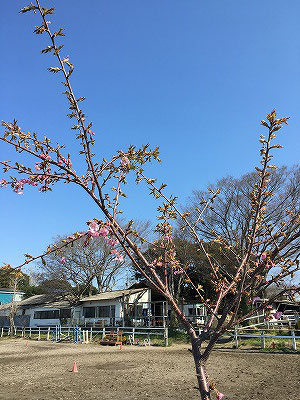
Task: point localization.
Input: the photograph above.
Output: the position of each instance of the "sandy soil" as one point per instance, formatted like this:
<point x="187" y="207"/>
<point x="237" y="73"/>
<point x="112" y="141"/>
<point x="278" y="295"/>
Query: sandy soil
<point x="42" y="371"/>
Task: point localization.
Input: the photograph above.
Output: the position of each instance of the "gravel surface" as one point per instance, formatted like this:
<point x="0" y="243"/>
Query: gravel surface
<point x="32" y="370"/>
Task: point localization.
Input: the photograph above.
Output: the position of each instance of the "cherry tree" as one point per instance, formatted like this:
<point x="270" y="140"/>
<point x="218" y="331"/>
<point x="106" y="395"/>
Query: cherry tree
<point x="262" y="264"/>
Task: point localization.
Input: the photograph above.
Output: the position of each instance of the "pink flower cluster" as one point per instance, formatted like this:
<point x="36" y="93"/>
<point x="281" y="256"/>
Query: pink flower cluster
<point x="95" y="231"/>
<point x="19" y="185"/>
<point x="125" y="164"/>
<point x="220" y="396"/>
<point x="3" y="182"/>
<point x="46" y="157"/>
<point x="178" y="271"/>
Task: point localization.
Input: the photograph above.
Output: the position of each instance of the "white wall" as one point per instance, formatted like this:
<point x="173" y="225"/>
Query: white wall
<point x="39" y="322"/>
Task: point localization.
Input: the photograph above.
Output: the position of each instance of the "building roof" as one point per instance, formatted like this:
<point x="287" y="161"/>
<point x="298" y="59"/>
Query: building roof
<point x="7" y="290"/>
<point x="45" y="300"/>
<point x="112" y="295"/>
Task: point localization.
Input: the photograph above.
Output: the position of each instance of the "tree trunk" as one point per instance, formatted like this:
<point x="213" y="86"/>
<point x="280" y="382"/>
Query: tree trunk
<point x="200" y="365"/>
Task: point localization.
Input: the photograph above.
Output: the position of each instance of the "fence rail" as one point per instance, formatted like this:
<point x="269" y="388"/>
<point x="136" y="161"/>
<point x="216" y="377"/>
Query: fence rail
<point x="262" y="336"/>
<point x="90" y="332"/>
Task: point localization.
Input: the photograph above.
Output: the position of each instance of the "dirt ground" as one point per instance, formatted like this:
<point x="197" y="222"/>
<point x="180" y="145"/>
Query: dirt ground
<point x="42" y="371"/>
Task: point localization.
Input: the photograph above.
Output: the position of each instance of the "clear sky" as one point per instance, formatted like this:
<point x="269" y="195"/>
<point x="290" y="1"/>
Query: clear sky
<point x="194" y="77"/>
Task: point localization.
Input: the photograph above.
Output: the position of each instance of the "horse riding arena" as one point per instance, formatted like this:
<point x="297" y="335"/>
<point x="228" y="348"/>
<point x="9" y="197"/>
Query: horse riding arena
<point x="38" y="370"/>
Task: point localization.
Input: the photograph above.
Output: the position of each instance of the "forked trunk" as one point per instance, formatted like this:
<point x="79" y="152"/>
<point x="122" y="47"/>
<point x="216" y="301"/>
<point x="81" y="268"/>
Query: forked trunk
<point x="202" y="377"/>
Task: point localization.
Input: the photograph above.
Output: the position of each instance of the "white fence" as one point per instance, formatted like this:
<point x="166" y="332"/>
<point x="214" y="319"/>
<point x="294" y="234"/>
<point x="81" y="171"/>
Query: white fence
<point x="91" y="333"/>
<point x="262" y="336"/>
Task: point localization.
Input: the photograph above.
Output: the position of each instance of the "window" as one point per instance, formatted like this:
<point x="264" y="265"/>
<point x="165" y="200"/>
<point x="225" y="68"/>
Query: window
<point x="106" y="311"/>
<point x="190" y="310"/>
<point x="89" y="312"/>
<point x="49" y="314"/>
<point x="65" y="313"/>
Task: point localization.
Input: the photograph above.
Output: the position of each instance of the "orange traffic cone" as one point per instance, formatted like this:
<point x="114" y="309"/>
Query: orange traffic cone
<point x="75" y="367"/>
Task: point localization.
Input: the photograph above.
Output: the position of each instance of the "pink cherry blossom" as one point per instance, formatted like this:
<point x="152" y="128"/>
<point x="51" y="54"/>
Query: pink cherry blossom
<point x="45" y="157"/>
<point x="125" y="164"/>
<point x="93" y="229"/>
<point x="103" y="232"/>
<point x="3" y="182"/>
<point x="63" y="260"/>
<point x="178" y="271"/>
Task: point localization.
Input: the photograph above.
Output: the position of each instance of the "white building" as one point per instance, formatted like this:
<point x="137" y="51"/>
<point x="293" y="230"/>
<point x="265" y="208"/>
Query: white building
<point x="128" y="307"/>
<point x="105" y="309"/>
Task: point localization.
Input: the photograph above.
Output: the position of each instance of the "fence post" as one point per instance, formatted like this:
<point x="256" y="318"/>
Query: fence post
<point x="166" y="337"/>
<point x="1" y="332"/>
<point x="103" y="333"/>
<point x="133" y="330"/>
<point x="236" y="337"/>
<point x="294" y="345"/>
<point x="91" y="334"/>
<point x="39" y="338"/>
<point x="48" y="333"/>
<point x="263" y="340"/>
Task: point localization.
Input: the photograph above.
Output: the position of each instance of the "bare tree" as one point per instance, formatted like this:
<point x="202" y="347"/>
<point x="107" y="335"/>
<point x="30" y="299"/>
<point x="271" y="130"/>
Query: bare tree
<point x="230" y="214"/>
<point x="83" y="265"/>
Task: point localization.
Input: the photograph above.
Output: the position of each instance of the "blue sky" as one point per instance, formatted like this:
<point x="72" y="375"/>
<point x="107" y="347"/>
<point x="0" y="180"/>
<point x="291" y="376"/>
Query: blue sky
<point x="194" y="77"/>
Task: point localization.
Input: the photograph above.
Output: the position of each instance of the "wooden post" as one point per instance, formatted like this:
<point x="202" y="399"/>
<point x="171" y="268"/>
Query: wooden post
<point x="263" y="340"/>
<point x="1" y="332"/>
<point x="166" y="337"/>
<point x="30" y="331"/>
<point x="294" y="345"/>
<point x="39" y="338"/>
<point x="133" y="330"/>
<point x="236" y="337"/>
<point x="103" y="333"/>
<point x="91" y="334"/>
<point x="48" y="333"/>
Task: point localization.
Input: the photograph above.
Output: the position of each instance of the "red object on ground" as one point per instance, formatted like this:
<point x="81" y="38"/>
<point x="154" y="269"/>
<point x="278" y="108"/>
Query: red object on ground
<point x="75" y="367"/>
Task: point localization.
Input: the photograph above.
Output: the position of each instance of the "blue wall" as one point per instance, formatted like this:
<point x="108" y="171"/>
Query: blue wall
<point x="6" y="298"/>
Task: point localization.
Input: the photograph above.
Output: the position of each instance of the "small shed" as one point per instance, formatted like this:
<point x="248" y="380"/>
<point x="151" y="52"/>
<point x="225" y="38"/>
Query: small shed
<point x="8" y="295"/>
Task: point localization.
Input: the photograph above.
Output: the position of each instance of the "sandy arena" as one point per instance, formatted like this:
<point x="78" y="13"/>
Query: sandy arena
<point x="42" y="371"/>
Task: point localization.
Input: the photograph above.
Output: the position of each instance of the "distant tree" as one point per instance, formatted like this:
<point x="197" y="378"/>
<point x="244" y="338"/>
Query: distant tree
<point x="76" y="269"/>
<point x="9" y="275"/>
<point x="230" y="214"/>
